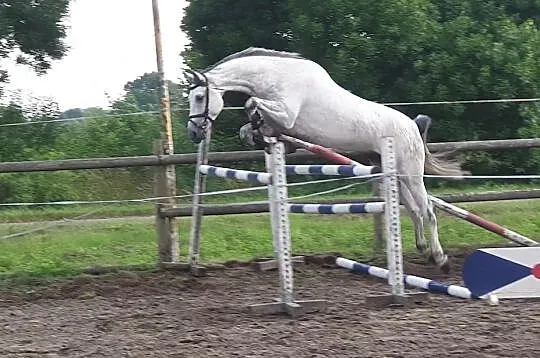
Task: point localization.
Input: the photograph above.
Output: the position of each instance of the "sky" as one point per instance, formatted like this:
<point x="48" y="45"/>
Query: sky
<point x="111" y="42"/>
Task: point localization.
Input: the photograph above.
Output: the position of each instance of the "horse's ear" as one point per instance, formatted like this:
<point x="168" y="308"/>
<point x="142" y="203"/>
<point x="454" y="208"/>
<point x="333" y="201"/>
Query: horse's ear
<point x="194" y="77"/>
<point x="190" y="77"/>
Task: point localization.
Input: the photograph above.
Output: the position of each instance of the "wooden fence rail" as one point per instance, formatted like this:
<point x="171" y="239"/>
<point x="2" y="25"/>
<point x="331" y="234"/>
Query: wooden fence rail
<point x="262" y="207"/>
<point x="237" y="156"/>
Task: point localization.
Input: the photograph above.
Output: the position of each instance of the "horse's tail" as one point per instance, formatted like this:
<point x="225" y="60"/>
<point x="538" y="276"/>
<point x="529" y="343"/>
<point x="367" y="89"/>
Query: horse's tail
<point x="438" y="163"/>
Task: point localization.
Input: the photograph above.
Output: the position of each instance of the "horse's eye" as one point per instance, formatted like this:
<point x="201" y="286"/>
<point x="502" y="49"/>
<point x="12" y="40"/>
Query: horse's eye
<point x="199" y="97"/>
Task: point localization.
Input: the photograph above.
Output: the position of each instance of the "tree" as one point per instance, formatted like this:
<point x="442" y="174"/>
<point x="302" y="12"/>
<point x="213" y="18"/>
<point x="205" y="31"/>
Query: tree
<point x="523" y="10"/>
<point x="369" y="47"/>
<point x="72" y="113"/>
<point x="26" y="142"/>
<point x="401" y="51"/>
<point x="34" y="31"/>
<point x="218" y="28"/>
<point x="142" y="94"/>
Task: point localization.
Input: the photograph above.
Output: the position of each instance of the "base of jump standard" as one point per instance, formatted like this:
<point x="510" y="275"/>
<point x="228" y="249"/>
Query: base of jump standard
<point x="294" y="309"/>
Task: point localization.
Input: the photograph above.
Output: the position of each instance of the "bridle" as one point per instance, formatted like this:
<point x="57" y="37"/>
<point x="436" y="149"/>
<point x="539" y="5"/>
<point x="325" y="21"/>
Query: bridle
<point x="199" y="83"/>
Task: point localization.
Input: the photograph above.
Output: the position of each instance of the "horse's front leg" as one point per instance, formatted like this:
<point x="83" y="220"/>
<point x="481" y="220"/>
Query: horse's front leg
<point x="250" y="137"/>
<point x="254" y="139"/>
<point x="267" y="119"/>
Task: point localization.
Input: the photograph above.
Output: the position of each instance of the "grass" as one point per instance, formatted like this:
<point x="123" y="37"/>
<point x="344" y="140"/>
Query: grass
<point x="64" y="251"/>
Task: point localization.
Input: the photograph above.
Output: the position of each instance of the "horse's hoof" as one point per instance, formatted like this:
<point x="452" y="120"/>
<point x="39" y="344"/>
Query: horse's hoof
<point x="429" y="256"/>
<point x="444" y="266"/>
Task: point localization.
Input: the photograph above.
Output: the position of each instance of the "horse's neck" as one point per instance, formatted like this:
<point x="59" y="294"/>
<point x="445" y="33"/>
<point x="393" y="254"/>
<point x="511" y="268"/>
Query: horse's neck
<point x="234" y="83"/>
<point x="248" y="77"/>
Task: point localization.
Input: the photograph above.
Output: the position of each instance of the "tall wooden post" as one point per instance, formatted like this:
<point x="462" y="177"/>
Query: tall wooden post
<point x="168" y="239"/>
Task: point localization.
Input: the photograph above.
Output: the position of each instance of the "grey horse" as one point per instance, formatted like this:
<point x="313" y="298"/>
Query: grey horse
<point x="297" y="97"/>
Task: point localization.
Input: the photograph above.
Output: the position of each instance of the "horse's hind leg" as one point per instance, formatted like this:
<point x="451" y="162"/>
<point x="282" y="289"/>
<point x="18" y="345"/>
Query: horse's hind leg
<point x="420" y="195"/>
<point x="416" y="216"/>
<point x="437" y="252"/>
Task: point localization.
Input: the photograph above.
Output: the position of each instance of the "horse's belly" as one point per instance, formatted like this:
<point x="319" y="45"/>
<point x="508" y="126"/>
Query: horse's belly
<point x="345" y="137"/>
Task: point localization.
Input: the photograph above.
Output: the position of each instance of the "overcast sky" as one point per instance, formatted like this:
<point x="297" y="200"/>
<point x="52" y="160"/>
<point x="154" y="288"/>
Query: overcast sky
<point x="111" y="42"/>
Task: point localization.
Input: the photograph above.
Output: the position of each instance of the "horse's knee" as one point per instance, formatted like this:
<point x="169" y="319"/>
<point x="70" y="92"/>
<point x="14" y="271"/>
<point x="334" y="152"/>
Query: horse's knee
<point x="246" y="135"/>
<point x="268" y="131"/>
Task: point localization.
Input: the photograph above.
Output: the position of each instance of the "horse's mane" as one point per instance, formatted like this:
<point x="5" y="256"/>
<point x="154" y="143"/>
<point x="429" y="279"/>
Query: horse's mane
<point x="255" y="51"/>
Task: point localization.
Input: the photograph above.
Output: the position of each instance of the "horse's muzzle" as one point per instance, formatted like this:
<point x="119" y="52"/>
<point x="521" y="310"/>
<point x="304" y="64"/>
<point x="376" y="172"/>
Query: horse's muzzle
<point x="196" y="134"/>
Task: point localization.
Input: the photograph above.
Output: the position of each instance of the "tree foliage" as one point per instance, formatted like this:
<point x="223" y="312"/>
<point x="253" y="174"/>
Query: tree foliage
<point x="232" y="24"/>
<point x="403" y="51"/>
<point x="127" y="129"/>
<point x="33" y="30"/>
<point x="142" y="94"/>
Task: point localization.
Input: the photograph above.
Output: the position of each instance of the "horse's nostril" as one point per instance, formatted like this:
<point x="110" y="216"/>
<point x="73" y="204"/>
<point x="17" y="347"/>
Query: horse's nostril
<point x="195" y="137"/>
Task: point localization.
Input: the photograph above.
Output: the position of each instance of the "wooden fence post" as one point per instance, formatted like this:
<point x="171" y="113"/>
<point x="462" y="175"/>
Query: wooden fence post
<point x="167" y="234"/>
<point x="166" y="179"/>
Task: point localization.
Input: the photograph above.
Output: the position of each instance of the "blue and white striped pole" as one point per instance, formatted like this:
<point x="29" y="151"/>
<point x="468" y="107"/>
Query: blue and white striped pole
<point x="246" y="175"/>
<point x="360" y="208"/>
<point x="414" y="281"/>
<point x="265" y="178"/>
<point x="345" y="170"/>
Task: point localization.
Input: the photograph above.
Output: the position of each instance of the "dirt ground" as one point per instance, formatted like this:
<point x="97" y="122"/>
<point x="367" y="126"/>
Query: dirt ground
<point x="166" y="314"/>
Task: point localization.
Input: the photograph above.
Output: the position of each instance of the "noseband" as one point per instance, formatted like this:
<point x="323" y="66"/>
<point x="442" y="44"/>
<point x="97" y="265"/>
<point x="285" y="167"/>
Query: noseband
<point x="203" y="124"/>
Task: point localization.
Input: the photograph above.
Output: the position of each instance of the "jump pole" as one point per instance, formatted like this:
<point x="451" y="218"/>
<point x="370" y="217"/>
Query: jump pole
<point x="320" y="150"/>
<point x="413" y="281"/>
<point x="441" y="204"/>
<point x="483" y="223"/>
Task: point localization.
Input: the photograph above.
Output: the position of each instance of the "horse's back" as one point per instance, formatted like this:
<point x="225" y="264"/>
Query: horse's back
<point x="332" y="116"/>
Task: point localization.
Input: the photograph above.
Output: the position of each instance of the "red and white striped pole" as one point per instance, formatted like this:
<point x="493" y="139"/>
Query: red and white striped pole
<point x="443" y="205"/>
<point x="483" y="223"/>
<point x="320" y="150"/>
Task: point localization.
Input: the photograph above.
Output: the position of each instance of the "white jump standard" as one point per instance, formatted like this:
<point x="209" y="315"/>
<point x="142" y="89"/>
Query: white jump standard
<point x="391" y="209"/>
<point x="277" y="193"/>
<point x="276" y="178"/>
<point x="199" y="186"/>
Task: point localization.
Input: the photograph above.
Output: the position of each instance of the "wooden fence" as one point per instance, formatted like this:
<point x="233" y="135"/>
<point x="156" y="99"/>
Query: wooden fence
<point x="238" y="156"/>
<point x="161" y="162"/>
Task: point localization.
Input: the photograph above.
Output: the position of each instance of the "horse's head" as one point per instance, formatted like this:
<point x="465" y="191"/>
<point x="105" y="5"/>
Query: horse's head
<point x="205" y="104"/>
